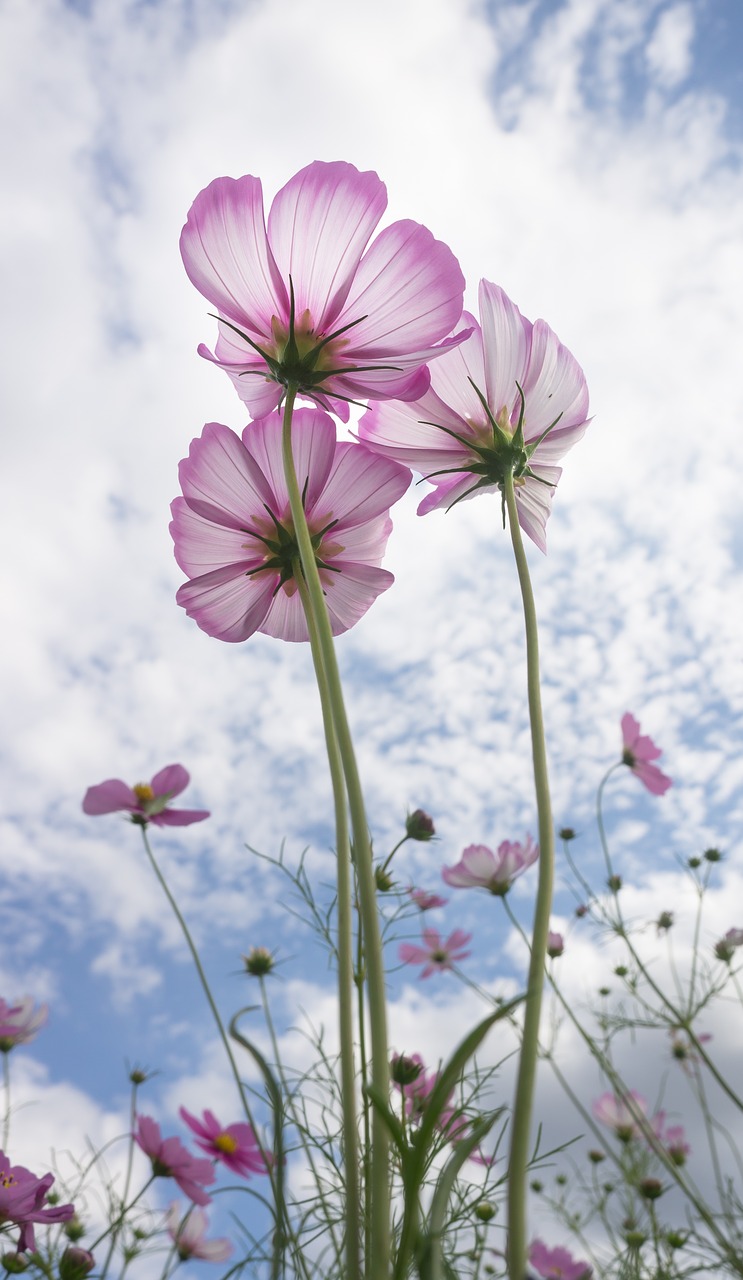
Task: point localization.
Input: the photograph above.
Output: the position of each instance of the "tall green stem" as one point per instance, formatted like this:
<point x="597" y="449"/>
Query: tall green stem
<point x="380" y="1202"/>
<point x="527" y="1068"/>
<point x="6" y="1092"/>
<point x="345" y="949"/>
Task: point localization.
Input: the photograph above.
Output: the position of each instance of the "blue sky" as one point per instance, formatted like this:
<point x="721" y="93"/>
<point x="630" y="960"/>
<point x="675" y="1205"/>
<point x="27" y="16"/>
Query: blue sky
<point x="584" y="155"/>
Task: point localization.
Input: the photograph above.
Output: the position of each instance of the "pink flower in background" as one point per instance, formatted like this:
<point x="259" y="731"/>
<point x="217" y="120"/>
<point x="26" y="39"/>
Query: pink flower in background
<point x="305" y="300"/>
<point x="557" y="1263"/>
<point x="23" y="1201"/>
<point x="189" y="1236"/>
<point x="170" y="1159"/>
<point x="464" y="438"/>
<point x="235" y="539"/>
<point x="480" y="868"/>
<point x="235" y="1145"/>
<point x="674" y="1141"/>
<point x="621" y="1114"/>
<point x="555" y="944"/>
<point x="147" y="801"/>
<point x="638" y="752"/>
<point x="19" y="1022"/>
<point x="436" y="956"/>
<point x="426" y="901"/>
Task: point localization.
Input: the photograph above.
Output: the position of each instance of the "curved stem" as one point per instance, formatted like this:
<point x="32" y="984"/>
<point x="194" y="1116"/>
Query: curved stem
<point x="380" y="1199"/>
<point x="527" y="1068"/>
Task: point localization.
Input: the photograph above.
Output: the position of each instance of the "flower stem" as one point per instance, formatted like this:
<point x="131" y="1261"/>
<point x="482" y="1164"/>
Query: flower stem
<point x="527" y="1068"/>
<point x="346" y="988"/>
<point x="6" y="1092"/>
<point x="380" y="1198"/>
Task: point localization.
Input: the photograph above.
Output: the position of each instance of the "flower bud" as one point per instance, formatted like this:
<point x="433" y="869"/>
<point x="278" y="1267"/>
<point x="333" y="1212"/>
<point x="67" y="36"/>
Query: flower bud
<point x="405" y="1070"/>
<point x="555" y="945"/>
<point x="258" y="962"/>
<point x="485" y="1211"/>
<point x="712" y="855"/>
<point x="614" y="883"/>
<point x="383" y="880"/>
<point x="664" y="921"/>
<point x="621" y="971"/>
<point x="651" y="1189"/>
<point x="581" y="910"/>
<point x="566" y="833"/>
<point x="635" y="1238"/>
<point x="676" y="1239"/>
<point x="419" y="825"/>
<point x="694" y="863"/>
<point x="596" y="1157"/>
<point x="536" y="1185"/>
<point x="74" y="1229"/>
<point x="75" y="1264"/>
<point x="14" y="1263"/>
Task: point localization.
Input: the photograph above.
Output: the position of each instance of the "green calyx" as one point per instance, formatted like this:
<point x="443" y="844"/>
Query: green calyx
<point x="283" y="550"/>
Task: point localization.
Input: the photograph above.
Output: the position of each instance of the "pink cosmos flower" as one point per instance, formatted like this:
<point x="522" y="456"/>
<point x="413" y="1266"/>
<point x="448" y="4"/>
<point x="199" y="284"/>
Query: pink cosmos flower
<point x="637" y="753"/>
<point x="480" y="868"/>
<point x="510" y="398"/>
<point x="557" y="1263"/>
<point x="189" y="1236"/>
<point x="235" y="539"/>
<point x="555" y="944"/>
<point x="621" y="1114"/>
<point x="23" y="1201"/>
<point x="147" y="801"/>
<point x="235" y="1145"/>
<point x="305" y="301"/>
<point x="426" y="901"/>
<point x="170" y="1159"/>
<point x="436" y="956"/>
<point x="674" y="1140"/>
<point x="19" y="1022"/>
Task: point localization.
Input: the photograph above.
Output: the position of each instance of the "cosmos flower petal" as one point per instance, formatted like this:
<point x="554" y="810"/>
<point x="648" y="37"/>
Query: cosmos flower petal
<point x="505" y="340"/>
<point x="313" y="450"/>
<point x="171" y="780"/>
<point x="319" y="225"/>
<point x="227" y="256"/>
<point x="202" y="546"/>
<point x="220" y="479"/>
<point x="361" y="485"/>
<point x="108" y="797"/>
<point x="226" y="603"/>
<point x="553" y="377"/>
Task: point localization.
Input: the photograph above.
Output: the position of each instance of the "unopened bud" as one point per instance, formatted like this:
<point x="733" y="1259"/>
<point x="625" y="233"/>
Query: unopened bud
<point x="75" y="1264"/>
<point x="258" y="962"/>
<point x="419" y="825"/>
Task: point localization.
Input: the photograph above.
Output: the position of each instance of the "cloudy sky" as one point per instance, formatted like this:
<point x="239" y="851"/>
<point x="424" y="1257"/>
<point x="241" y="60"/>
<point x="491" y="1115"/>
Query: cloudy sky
<point x="586" y="156"/>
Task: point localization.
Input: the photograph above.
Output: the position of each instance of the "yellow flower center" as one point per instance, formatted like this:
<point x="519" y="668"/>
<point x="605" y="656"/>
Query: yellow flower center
<point x="226" y="1143"/>
<point x="143" y="791"/>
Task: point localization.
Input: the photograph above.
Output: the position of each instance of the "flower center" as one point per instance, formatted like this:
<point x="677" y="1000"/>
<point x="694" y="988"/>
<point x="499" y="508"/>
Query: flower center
<point x="7" y="1179"/>
<point x="144" y="793"/>
<point x="225" y="1143"/>
<point x="280" y="549"/>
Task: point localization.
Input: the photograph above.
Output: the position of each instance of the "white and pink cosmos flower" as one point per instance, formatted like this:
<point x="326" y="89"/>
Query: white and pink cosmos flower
<point x="480" y="868"/>
<point x="623" y="1115"/>
<point x="234" y="535"/>
<point x="436" y="955"/>
<point x="510" y="398"/>
<point x="307" y="299"/>
<point x="189" y="1235"/>
<point x="20" y="1021"/>
<point x="638" y="753"/>
<point x="557" y="1263"/>
<point x="145" y="802"/>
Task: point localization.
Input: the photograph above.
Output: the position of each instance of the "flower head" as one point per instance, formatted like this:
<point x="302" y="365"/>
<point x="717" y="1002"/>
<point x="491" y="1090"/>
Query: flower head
<point x="480" y="868"/>
<point x="303" y="300"/>
<point x="638" y="752"/>
<point x="419" y="825"/>
<point x="146" y="802"/>
<point x="23" y="1201"/>
<point x="20" y="1021"/>
<point x="436" y="955"/>
<point x="234" y="1145"/>
<point x="555" y="944"/>
<point x="674" y="1140"/>
<point x="557" y="1263"/>
<point x="234" y="536"/>
<point x="426" y="901"/>
<point x="189" y="1235"/>
<point x="621" y="1114"/>
<point x="511" y="398"/>
<point x="75" y="1263"/>
<point x="170" y="1159"/>
<point x="259" y="962"/>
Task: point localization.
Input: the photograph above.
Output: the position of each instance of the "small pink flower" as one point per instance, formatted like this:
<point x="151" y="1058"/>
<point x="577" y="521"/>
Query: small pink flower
<point x="308" y="300"/>
<point x="147" y="801"/>
<point x="555" y="945"/>
<point x="189" y="1236"/>
<point x="436" y="956"/>
<point x="234" y="536"/>
<point x="674" y="1141"/>
<point x="23" y="1201"/>
<point x="235" y="1145"/>
<point x="511" y="398"/>
<point x="734" y="937"/>
<point x="426" y="901"/>
<point x="557" y="1263"/>
<point x="480" y="868"/>
<point x="19" y="1022"/>
<point x="621" y="1114"/>
<point x="637" y="753"/>
<point x="170" y="1159"/>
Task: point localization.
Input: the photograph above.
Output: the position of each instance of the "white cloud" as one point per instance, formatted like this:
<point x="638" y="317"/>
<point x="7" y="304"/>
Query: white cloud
<point x="669" y="52"/>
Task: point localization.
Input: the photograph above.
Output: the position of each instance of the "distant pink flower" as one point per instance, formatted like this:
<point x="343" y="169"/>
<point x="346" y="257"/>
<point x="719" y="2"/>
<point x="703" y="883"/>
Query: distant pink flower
<point x="307" y="300"/>
<point x="170" y="1159"/>
<point x="426" y="901"/>
<point x="511" y="398"/>
<point x="555" y="944"/>
<point x="235" y="1145"/>
<point x="479" y="867"/>
<point x="235" y="539"/>
<point x="23" y="1201"/>
<point x="637" y="753"/>
<point x="20" y="1021"/>
<point x="436" y="956"/>
<point x="621" y="1114"/>
<point x="189" y="1236"/>
<point x="557" y="1263"/>
<point x="734" y="937"/>
<point x="674" y="1141"/>
<point x="147" y="801"/>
